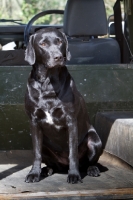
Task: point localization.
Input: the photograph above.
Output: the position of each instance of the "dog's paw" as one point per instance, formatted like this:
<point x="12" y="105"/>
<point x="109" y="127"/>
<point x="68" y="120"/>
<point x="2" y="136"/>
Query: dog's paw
<point x="93" y="171"/>
<point x="32" y="177"/>
<point x="74" y="177"/>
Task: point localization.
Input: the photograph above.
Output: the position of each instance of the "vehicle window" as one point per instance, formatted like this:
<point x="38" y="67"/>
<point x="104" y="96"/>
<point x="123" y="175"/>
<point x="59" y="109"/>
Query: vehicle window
<point x="109" y="6"/>
<point x="25" y="9"/>
<point x="15" y="12"/>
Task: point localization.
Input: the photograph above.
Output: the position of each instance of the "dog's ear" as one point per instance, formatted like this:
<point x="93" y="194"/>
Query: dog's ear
<point x="29" y="52"/>
<point x="68" y="55"/>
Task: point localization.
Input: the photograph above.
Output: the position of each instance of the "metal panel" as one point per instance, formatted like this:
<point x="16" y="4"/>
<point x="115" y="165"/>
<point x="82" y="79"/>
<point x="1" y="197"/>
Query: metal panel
<point x="104" y="87"/>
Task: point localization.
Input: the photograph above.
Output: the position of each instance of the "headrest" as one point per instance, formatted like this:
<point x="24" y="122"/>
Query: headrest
<point x="85" y="18"/>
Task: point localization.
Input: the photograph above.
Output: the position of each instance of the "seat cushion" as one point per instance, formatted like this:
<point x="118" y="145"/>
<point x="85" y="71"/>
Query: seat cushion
<point x="94" y="51"/>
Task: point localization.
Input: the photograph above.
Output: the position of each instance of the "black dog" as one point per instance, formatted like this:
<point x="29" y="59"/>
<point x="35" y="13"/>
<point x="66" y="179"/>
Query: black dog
<point x="61" y="132"/>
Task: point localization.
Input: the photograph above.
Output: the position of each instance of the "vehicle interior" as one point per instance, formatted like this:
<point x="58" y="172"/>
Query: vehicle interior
<point x="76" y="25"/>
<point x="102" y="66"/>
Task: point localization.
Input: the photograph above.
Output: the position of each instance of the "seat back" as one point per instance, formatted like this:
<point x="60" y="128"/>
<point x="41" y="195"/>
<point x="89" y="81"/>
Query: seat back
<point x="85" y="17"/>
<point x="84" y="21"/>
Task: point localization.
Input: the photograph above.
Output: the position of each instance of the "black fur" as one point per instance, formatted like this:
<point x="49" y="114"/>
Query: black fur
<point x="61" y="132"/>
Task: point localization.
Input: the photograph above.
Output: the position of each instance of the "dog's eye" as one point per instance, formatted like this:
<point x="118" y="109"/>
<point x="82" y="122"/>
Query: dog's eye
<point x="43" y="44"/>
<point x="59" y="41"/>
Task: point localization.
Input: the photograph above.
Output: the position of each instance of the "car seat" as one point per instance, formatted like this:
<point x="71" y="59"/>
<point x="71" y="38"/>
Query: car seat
<point x="84" y="22"/>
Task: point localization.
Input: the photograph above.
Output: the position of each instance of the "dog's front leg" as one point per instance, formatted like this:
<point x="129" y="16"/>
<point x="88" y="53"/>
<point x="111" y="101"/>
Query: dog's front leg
<point x="73" y="173"/>
<point x="34" y="174"/>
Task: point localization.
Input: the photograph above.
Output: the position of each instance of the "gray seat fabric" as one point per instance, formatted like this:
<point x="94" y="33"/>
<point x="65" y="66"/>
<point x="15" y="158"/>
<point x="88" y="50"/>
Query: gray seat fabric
<point x="94" y="51"/>
<point x="84" y="21"/>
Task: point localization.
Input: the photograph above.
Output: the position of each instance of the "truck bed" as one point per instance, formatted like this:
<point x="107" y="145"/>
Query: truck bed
<point x="115" y="182"/>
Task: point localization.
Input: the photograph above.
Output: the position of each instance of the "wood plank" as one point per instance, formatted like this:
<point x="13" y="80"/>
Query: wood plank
<point x="105" y="194"/>
<point x="115" y="182"/>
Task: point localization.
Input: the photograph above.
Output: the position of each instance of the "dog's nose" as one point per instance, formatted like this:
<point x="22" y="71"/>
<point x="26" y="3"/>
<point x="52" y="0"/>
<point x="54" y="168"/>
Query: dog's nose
<point x="58" y="58"/>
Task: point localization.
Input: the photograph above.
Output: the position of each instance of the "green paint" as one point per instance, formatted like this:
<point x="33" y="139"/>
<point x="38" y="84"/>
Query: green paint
<point x="104" y="87"/>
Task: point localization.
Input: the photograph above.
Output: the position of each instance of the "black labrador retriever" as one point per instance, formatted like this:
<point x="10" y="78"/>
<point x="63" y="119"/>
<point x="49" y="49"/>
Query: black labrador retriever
<point x="61" y="132"/>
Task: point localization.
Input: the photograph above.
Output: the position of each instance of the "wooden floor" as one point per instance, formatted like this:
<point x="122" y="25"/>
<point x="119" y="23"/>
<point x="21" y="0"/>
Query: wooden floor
<point x="115" y="182"/>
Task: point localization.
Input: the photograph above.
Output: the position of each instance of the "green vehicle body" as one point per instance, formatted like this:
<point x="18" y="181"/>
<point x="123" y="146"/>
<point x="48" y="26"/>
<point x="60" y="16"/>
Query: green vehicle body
<point x="104" y="87"/>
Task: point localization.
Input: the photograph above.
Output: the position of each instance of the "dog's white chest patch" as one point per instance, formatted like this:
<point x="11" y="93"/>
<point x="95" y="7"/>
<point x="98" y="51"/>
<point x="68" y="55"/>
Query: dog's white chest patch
<point x="49" y="118"/>
<point x="50" y="121"/>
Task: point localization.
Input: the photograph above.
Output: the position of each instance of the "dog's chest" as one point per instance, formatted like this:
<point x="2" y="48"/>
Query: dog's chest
<point x="50" y="112"/>
<point x="48" y="108"/>
<point x="54" y="116"/>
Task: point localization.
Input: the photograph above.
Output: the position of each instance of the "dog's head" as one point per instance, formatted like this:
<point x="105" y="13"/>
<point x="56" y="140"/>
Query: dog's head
<point x="49" y="47"/>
